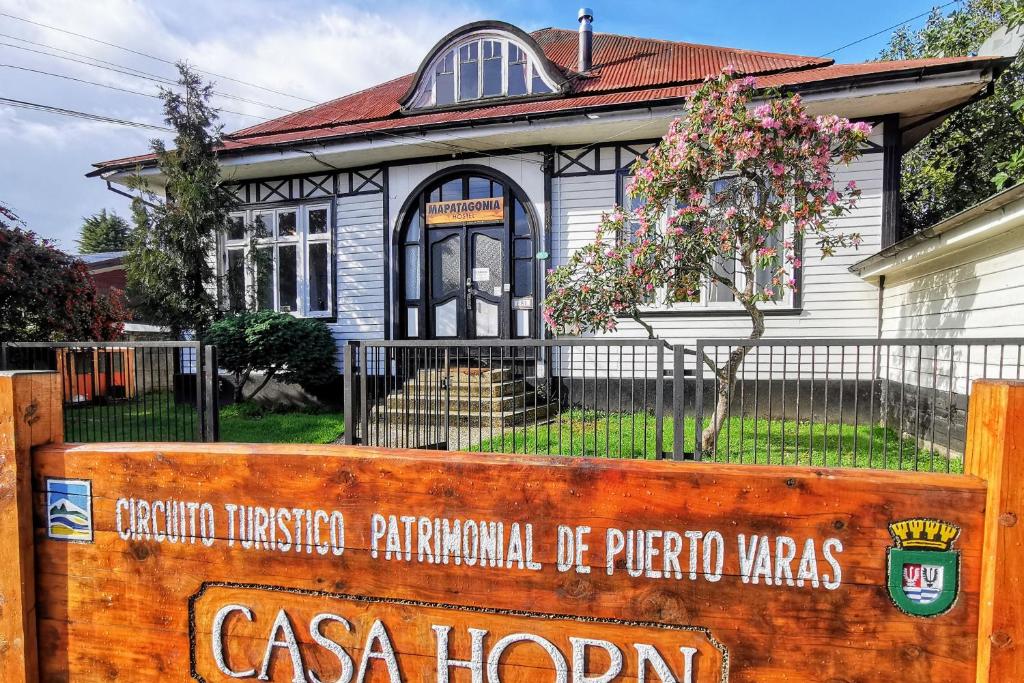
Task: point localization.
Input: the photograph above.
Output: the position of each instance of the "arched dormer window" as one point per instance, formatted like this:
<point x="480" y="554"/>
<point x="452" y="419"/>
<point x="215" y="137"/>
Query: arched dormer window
<point x="480" y="61"/>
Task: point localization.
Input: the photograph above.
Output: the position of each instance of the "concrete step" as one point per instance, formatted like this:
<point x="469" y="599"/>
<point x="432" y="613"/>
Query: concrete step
<point x="464" y="418"/>
<point x="464" y="375"/>
<point x="460" y="402"/>
<point x="469" y="389"/>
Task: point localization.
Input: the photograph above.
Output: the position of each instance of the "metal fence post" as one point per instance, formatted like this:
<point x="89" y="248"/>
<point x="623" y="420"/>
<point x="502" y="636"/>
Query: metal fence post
<point x="3" y="355"/>
<point x="678" y="401"/>
<point x="348" y="393"/>
<point x="197" y="366"/>
<point x="364" y="410"/>
<point x="659" y="404"/>
<point x="698" y="400"/>
<point x="211" y="407"/>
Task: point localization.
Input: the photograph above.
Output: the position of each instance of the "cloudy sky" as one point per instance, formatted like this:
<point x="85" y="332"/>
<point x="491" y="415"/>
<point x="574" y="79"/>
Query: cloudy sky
<point x="312" y="50"/>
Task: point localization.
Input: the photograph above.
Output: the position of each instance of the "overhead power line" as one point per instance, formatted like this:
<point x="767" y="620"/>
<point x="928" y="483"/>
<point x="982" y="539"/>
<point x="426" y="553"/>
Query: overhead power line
<point x="131" y="71"/>
<point x="21" y="104"/>
<point x="118" y="68"/>
<point x="113" y="87"/>
<point x="891" y="28"/>
<point x="153" y="57"/>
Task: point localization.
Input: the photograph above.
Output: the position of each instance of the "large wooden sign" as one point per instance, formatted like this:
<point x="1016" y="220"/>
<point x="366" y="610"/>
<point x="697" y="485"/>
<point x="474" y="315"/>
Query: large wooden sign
<point x="485" y="210"/>
<point x="319" y="563"/>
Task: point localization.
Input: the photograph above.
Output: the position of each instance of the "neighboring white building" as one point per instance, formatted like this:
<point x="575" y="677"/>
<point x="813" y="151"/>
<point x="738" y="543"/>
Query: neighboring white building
<point x="494" y="113"/>
<point x="963" y="277"/>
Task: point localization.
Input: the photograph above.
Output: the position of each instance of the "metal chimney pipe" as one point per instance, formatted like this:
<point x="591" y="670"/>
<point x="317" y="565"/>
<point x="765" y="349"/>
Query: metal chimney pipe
<point x="586" y="16"/>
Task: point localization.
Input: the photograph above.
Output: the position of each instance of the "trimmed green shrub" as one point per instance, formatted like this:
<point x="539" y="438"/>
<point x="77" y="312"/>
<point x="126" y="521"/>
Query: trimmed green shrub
<point x="277" y="345"/>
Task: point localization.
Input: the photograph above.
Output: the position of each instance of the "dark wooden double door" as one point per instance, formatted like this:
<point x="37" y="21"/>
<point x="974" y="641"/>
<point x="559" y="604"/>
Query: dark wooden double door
<point x="468" y="291"/>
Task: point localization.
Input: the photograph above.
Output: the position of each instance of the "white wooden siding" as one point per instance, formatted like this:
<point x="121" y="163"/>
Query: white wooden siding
<point x="359" y="261"/>
<point x="974" y="292"/>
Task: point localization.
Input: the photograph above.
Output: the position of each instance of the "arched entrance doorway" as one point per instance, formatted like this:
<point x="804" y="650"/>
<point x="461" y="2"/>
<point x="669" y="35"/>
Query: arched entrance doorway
<point x="466" y="258"/>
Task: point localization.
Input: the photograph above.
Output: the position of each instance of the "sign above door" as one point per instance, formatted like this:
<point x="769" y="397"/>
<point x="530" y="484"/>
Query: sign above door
<point x="484" y="210"/>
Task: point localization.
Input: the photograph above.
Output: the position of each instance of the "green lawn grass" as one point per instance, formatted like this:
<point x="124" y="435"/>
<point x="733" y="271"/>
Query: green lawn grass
<point x="155" y="417"/>
<point x="776" y="442"/>
<point x="244" y="425"/>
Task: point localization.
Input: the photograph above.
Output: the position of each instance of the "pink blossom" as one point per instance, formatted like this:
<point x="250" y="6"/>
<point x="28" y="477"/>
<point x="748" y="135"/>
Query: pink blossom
<point x="769" y="122"/>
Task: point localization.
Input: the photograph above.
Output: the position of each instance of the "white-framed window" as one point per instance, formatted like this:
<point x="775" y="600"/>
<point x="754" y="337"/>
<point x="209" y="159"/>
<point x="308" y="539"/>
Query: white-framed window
<point x="713" y="294"/>
<point x="481" y="67"/>
<point x="291" y="269"/>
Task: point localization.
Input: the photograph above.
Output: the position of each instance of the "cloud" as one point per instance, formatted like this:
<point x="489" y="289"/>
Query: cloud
<point x="314" y="49"/>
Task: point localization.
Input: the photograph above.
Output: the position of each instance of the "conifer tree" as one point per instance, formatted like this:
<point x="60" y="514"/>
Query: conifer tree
<point x="170" y="267"/>
<point x="102" y="232"/>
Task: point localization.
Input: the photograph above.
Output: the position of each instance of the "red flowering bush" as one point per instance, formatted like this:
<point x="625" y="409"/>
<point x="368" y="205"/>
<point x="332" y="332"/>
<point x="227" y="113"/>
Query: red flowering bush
<point x="727" y="197"/>
<point x="46" y="295"/>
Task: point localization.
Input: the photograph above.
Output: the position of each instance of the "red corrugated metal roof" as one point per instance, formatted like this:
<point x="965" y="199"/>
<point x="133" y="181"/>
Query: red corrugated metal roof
<point x="626" y="71"/>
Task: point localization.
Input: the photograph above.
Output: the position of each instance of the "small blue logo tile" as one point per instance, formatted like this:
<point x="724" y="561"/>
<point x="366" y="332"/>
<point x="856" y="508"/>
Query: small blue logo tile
<point x="69" y="510"/>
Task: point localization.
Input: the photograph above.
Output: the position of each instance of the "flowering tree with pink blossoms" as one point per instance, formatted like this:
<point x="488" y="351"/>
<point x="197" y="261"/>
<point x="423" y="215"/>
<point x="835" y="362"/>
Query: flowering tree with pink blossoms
<point x="728" y="197"/>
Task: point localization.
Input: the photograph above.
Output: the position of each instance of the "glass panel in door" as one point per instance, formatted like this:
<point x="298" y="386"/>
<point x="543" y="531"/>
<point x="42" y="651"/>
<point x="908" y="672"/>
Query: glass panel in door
<point x="487" y="273"/>
<point x="447" y="288"/>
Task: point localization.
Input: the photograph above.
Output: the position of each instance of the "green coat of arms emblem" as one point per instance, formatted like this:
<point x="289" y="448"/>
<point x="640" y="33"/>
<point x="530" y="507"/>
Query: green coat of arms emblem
<point x="924" y="570"/>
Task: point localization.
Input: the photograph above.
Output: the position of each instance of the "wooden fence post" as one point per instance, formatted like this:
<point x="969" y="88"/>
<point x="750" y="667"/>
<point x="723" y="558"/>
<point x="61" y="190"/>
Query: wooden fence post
<point x="30" y="415"/>
<point x="995" y="452"/>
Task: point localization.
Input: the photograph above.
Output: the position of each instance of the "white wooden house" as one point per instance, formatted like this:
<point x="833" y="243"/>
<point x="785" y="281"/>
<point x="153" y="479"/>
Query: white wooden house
<point x="353" y="191"/>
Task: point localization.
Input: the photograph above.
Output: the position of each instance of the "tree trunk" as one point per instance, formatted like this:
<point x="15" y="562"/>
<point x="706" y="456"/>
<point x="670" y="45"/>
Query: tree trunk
<point x="264" y="383"/>
<point x="239" y="385"/>
<point x="726" y="375"/>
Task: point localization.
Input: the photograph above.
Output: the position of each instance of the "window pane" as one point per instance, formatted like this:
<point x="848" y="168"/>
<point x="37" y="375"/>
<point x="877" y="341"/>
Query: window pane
<point x="523" y="284"/>
<point x="236" y="228"/>
<point x="236" y="279"/>
<point x="519" y="217"/>
<point x="492" y="68"/>
<point x="538" y="85"/>
<point x="412" y="232"/>
<point x="522" y="323"/>
<point x="412" y="272"/>
<point x="488" y="256"/>
<point x="486" y="317"/>
<point x="286" y="224"/>
<point x="469" y="77"/>
<point x="265" y="279"/>
<point x="524" y="248"/>
<point x="412" y="322"/>
<point x="717" y="292"/>
<point x="452" y="190"/>
<point x="318" y="222"/>
<point x="287" y="271"/>
<point x="263" y="224"/>
<point x="631" y="204"/>
<point x="479" y="188"/>
<point x="445" y="80"/>
<point x="446" y="319"/>
<point x="319" y="299"/>
<point x="445" y="266"/>
<point x="764" y="275"/>
<point x="516" y="70"/>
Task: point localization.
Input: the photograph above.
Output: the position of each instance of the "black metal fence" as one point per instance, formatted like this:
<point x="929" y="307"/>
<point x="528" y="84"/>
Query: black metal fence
<point x="884" y="404"/>
<point x="524" y="396"/>
<point x="128" y="391"/>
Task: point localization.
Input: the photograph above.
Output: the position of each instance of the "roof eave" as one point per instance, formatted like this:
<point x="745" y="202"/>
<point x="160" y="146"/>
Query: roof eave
<point x="997" y="64"/>
<point x="875" y="265"/>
